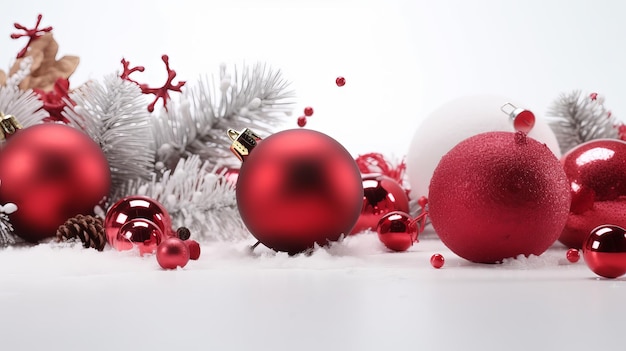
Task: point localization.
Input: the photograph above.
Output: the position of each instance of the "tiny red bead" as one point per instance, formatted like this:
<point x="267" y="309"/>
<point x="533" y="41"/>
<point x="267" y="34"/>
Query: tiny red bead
<point x="301" y="121"/>
<point x="593" y="96"/>
<point x="437" y="261"/>
<point x="422" y="202"/>
<point x="573" y="255"/>
<point x="308" y="111"/>
<point x="340" y="81"/>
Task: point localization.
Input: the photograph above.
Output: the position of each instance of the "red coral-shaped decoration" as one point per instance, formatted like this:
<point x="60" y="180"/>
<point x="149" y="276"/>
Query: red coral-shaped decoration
<point x="55" y="101"/>
<point x="32" y="34"/>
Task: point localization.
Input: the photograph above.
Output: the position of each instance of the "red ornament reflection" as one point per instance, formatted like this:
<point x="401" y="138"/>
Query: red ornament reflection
<point x="596" y="171"/>
<point x="381" y="195"/>
<point x="604" y="251"/>
<point x="140" y="233"/>
<point x="134" y="207"/>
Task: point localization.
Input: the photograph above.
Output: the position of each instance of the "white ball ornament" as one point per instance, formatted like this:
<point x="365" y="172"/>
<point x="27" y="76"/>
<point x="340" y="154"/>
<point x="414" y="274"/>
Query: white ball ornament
<point x="456" y="121"/>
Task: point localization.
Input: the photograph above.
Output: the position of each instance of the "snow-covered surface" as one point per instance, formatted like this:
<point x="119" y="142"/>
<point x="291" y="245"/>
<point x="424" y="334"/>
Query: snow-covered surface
<point x="353" y="296"/>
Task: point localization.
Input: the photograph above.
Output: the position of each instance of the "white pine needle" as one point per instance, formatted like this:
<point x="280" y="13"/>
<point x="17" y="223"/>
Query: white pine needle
<point x="195" y="198"/>
<point x="255" y="97"/>
<point x="113" y="113"/>
<point x="576" y="118"/>
<point x="24" y="105"/>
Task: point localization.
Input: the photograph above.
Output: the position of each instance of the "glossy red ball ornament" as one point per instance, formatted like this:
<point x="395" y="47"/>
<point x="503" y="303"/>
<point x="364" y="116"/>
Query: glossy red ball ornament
<point x="437" y="261"/>
<point x="381" y="195"/>
<point x="297" y="188"/>
<point x="172" y="253"/>
<point x="134" y="207"/>
<point x="397" y="231"/>
<point x="140" y="233"/>
<point x="52" y="172"/>
<point x="572" y="255"/>
<point x="596" y="172"/>
<point x="604" y="251"/>
<point x="498" y="195"/>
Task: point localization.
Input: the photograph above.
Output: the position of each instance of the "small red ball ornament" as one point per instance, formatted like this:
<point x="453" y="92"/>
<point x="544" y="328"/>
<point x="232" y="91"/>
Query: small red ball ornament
<point x="296" y="188"/>
<point x="172" y="253"/>
<point x="596" y="173"/>
<point x="52" y="172"/>
<point x="340" y="81"/>
<point x="140" y="233"/>
<point x="134" y="207"/>
<point x="572" y="255"/>
<point x="381" y="195"/>
<point x="498" y="195"/>
<point x="397" y="231"/>
<point x="194" y="249"/>
<point x="301" y="121"/>
<point x="308" y="111"/>
<point x="437" y="261"/>
<point x="604" y="251"/>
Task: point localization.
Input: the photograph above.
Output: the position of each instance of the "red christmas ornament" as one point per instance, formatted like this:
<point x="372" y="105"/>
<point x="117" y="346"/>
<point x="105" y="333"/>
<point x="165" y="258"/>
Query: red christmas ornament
<point x="296" y="188"/>
<point x="437" y="261"/>
<point x="340" y="81"/>
<point x="573" y="255"/>
<point x="32" y="34"/>
<point x="397" y="231"/>
<point x="381" y="195"/>
<point x="194" y="249"/>
<point x="301" y="121"/>
<point x="172" y="253"/>
<point x="498" y="195"/>
<point x="604" y="251"/>
<point x="523" y="120"/>
<point x="596" y="172"/>
<point x="308" y="111"/>
<point x="134" y="207"/>
<point x="52" y="172"/>
<point x="140" y="233"/>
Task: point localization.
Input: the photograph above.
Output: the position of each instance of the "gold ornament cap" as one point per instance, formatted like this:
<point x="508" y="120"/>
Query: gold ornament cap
<point x="8" y="126"/>
<point x="243" y="142"/>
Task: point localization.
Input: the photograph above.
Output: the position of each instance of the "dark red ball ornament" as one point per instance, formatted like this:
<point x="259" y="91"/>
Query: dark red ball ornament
<point x="296" y="188"/>
<point x="381" y="195"/>
<point x="52" y="172"/>
<point x="498" y="195"/>
<point x="596" y="172"/>
<point x="604" y="251"/>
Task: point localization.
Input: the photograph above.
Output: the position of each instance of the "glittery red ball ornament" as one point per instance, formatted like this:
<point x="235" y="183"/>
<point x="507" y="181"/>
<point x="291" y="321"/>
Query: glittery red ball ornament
<point x="133" y="207"/>
<point x="397" y="231"/>
<point x="172" y="253"/>
<point x="381" y="195"/>
<point x="604" y="251"/>
<point x="140" y="233"/>
<point x="498" y="195"/>
<point x="52" y="172"/>
<point x="299" y="187"/>
<point x="596" y="171"/>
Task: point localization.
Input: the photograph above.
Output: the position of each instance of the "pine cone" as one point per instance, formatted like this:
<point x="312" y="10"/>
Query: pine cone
<point x="89" y="229"/>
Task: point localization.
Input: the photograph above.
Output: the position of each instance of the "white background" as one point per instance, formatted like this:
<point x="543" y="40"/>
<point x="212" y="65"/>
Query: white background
<point x="401" y="60"/>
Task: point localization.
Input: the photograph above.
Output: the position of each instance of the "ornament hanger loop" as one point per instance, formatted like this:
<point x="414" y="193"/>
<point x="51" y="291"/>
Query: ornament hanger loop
<point x="8" y="126"/>
<point x="523" y="119"/>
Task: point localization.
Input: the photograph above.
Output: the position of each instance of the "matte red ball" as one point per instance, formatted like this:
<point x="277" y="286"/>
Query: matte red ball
<point x="52" y="172"/>
<point x="194" y="249"/>
<point x="596" y="171"/>
<point x="397" y="231"/>
<point x="297" y="188"/>
<point x="381" y="195"/>
<point x="604" y="251"/>
<point x="498" y="195"/>
<point x="172" y="253"/>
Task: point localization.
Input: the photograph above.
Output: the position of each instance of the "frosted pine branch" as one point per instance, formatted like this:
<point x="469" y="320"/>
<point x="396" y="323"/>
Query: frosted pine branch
<point x="24" y="71"/>
<point x="256" y="97"/>
<point x="113" y="113"/>
<point x="195" y="198"/>
<point x="7" y="237"/>
<point x="576" y="118"/>
<point x="24" y="105"/>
